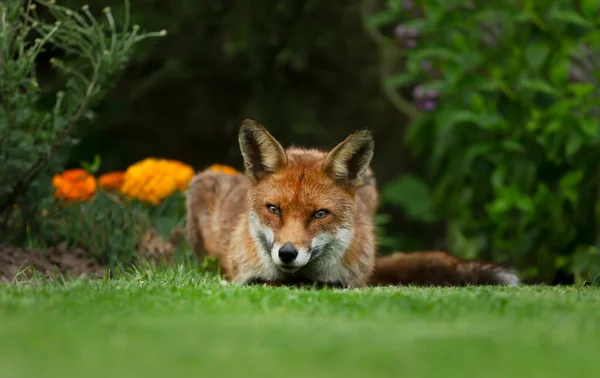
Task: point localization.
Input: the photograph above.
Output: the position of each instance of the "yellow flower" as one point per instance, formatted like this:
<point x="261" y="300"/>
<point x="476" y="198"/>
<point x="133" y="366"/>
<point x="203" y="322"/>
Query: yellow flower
<point x="223" y="168"/>
<point x="152" y="180"/>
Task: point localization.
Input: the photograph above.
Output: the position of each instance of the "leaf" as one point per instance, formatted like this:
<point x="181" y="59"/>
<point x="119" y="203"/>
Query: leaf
<point x="570" y="17"/>
<point x="525" y="16"/>
<point x="477" y="102"/>
<point x="536" y="54"/>
<point x="538" y="85"/>
<point x="512" y="146"/>
<point x="589" y="127"/>
<point x="500" y="206"/>
<point x="573" y="145"/>
<point x="569" y="183"/>
<point x="165" y="225"/>
<point x="559" y="71"/>
<point x="92" y="167"/>
<point x="590" y="8"/>
<point x="581" y="90"/>
<point x="498" y="177"/>
<point x="434" y="52"/>
<point x="399" y="80"/>
<point x="412" y="195"/>
<point x="469" y="60"/>
<point x="382" y="18"/>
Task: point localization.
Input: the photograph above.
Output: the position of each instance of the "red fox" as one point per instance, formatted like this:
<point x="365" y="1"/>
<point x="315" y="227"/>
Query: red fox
<point x="303" y="216"/>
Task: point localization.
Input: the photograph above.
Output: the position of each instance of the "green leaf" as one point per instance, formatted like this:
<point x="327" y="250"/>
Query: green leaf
<point x="477" y="102"/>
<point x="569" y="184"/>
<point x="92" y="167"/>
<point x="165" y="224"/>
<point x="536" y="54"/>
<point x="573" y="145"/>
<point x="589" y="127"/>
<point x="399" y="80"/>
<point x="559" y="71"/>
<point x="412" y="195"/>
<point x="538" y="85"/>
<point x="498" y="177"/>
<point x="500" y="206"/>
<point x="434" y="52"/>
<point x="512" y="146"/>
<point x="382" y="18"/>
<point x="590" y="8"/>
<point x="569" y="17"/>
<point x="581" y="90"/>
<point x="469" y="60"/>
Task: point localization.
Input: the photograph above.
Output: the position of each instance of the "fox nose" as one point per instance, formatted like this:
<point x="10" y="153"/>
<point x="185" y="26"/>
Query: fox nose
<point x="288" y="253"/>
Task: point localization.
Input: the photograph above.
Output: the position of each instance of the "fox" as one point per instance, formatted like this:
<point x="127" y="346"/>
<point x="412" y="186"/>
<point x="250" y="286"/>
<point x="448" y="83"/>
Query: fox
<point x="304" y="216"/>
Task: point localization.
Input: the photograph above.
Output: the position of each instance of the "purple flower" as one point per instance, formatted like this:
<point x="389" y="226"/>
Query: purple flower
<point x="429" y="105"/>
<point x="426" y="65"/>
<point x="411" y="43"/>
<point x="418" y="92"/>
<point x="412" y="32"/>
<point x="407" y="4"/>
<point x="400" y="30"/>
<point x="432" y="93"/>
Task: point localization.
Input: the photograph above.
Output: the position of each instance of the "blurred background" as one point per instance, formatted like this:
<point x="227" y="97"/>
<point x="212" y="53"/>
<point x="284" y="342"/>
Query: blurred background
<point x="485" y="114"/>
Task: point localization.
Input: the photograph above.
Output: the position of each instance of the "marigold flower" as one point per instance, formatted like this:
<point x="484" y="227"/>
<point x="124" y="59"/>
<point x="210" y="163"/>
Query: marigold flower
<point x="74" y="185"/>
<point x="152" y="180"/>
<point x="111" y="180"/>
<point x="223" y="168"/>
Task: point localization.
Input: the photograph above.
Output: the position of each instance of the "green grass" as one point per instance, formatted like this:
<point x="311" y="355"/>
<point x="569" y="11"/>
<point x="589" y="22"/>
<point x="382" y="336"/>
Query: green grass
<point x="176" y="325"/>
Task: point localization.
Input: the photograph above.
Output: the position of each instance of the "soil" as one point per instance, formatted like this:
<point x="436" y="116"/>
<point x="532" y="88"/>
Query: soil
<point x="18" y="264"/>
<point x="22" y="263"/>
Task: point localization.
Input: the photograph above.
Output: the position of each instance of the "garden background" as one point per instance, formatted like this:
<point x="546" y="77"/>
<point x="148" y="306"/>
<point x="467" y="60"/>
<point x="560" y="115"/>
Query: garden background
<point x="485" y="116"/>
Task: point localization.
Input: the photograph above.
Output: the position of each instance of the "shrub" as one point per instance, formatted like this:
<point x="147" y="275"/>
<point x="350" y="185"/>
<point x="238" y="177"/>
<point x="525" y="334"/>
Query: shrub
<point x="106" y="225"/>
<point x="505" y="114"/>
<point x="37" y="125"/>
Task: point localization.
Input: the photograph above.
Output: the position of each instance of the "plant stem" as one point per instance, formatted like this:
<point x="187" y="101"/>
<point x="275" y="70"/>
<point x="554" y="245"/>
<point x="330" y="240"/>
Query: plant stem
<point x="389" y="56"/>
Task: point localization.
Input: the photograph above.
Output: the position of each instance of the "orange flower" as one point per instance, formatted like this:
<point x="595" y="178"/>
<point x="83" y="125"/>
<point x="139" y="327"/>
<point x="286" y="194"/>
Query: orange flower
<point x="74" y="184"/>
<point x="223" y="168"/>
<point x="111" y="180"/>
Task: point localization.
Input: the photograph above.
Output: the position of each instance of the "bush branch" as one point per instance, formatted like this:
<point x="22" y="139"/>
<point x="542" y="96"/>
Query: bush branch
<point x="390" y="55"/>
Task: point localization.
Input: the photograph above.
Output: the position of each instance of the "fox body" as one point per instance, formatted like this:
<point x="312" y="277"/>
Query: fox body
<point x="305" y="215"/>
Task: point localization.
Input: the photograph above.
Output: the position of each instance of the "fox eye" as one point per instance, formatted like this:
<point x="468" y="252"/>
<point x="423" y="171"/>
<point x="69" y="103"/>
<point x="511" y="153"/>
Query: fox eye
<point x="273" y="209"/>
<point x="320" y="214"/>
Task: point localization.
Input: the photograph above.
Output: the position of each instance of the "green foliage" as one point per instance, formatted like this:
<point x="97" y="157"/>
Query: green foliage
<point x="115" y="230"/>
<point x="38" y="126"/>
<point x="505" y="114"/>
<point x="108" y="226"/>
<point x="413" y="195"/>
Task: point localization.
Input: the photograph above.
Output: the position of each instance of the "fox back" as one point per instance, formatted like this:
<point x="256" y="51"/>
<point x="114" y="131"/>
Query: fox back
<point x="297" y="214"/>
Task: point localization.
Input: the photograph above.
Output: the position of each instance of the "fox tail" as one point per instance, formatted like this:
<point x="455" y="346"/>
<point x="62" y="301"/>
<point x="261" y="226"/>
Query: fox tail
<point x="438" y="268"/>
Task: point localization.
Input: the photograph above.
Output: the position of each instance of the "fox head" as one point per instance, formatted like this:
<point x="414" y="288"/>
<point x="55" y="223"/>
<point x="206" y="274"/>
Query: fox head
<point x="302" y="202"/>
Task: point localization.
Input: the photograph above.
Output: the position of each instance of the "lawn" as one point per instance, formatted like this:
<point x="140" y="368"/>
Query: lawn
<point x="172" y="324"/>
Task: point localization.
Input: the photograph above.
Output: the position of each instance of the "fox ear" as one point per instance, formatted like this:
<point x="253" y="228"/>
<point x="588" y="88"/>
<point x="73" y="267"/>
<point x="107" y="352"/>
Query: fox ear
<point x="262" y="153"/>
<point x="348" y="162"/>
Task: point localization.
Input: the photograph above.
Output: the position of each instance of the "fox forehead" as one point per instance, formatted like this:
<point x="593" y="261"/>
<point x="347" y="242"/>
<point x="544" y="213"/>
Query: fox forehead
<point x="302" y="189"/>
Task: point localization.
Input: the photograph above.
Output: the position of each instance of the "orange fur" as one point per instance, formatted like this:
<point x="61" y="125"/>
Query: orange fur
<point x="245" y="221"/>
